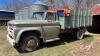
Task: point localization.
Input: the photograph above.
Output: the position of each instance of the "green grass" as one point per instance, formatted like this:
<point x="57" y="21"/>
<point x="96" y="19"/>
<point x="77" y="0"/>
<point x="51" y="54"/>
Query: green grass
<point x="60" y="48"/>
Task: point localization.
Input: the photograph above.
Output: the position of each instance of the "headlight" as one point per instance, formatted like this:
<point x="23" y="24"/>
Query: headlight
<point x="12" y="25"/>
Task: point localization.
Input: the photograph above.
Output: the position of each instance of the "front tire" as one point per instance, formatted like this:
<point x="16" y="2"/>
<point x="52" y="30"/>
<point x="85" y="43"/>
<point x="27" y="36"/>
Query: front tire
<point x="29" y="43"/>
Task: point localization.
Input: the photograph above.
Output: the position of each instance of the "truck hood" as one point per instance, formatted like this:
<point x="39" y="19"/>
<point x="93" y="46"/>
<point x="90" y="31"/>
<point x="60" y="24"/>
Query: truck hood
<point x="21" y="22"/>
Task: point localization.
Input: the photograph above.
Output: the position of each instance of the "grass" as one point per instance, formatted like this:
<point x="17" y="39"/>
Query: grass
<point x="60" y="48"/>
<point x="63" y="47"/>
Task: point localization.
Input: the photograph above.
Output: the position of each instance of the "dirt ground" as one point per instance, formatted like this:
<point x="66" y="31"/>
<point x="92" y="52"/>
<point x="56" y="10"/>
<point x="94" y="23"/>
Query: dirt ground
<point x="85" y="47"/>
<point x="89" y="49"/>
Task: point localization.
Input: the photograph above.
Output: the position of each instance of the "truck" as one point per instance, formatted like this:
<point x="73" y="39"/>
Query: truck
<point x="47" y="26"/>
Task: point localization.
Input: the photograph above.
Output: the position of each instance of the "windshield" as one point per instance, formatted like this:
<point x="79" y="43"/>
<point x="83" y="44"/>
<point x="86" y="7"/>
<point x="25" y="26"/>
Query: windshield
<point x="38" y="15"/>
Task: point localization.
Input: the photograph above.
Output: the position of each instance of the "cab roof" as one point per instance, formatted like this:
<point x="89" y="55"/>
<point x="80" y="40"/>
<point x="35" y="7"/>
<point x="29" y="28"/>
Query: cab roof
<point x="65" y="10"/>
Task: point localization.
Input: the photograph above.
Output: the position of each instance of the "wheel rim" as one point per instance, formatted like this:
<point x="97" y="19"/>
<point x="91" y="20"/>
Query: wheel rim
<point x="31" y="44"/>
<point x="80" y="34"/>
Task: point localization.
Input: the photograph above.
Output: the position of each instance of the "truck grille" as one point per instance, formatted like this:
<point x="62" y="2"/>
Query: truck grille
<point x="10" y="32"/>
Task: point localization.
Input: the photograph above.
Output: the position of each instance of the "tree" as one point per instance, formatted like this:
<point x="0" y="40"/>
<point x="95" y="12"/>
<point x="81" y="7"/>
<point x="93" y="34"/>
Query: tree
<point x="15" y="4"/>
<point x="77" y="3"/>
<point x="8" y="4"/>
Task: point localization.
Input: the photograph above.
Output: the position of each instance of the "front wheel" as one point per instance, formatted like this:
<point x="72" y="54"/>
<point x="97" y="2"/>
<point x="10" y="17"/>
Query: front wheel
<point x="29" y="43"/>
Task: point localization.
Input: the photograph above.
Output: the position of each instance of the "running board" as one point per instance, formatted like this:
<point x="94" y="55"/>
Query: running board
<point x="53" y="40"/>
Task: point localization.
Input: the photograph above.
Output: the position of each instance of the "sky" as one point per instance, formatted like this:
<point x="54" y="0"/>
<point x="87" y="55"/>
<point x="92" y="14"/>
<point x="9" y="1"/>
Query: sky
<point x="69" y="2"/>
<point x="1" y="4"/>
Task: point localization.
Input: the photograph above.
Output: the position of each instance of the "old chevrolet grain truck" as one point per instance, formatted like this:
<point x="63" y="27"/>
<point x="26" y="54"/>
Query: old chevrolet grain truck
<point x="36" y="23"/>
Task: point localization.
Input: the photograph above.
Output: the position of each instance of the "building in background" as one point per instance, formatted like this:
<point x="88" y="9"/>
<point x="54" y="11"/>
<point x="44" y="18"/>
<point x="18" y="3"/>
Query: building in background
<point x="96" y="19"/>
<point x="32" y="12"/>
<point x="6" y="16"/>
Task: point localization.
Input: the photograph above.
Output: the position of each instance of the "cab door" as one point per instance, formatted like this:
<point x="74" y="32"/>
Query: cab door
<point x="51" y="29"/>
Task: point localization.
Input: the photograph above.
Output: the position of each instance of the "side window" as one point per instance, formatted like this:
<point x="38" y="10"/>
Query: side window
<point x="50" y="16"/>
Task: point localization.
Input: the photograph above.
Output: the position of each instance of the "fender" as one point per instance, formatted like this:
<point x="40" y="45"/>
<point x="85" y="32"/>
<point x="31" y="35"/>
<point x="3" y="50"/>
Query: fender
<point x="26" y="29"/>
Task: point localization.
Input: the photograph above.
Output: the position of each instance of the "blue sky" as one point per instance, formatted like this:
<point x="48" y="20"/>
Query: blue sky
<point x="1" y="4"/>
<point x="69" y="2"/>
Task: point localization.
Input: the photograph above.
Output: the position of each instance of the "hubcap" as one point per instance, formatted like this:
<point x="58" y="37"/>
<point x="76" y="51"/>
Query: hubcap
<point x="80" y="34"/>
<point x="31" y="44"/>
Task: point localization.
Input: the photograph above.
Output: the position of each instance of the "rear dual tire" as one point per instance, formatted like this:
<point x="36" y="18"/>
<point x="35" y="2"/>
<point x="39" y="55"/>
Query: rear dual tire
<point x="78" y="34"/>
